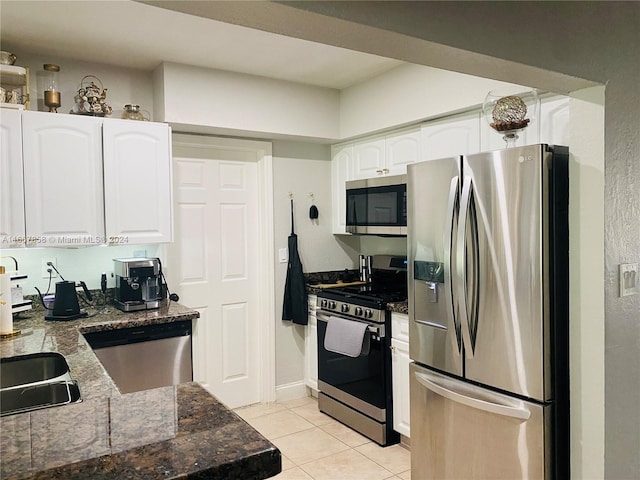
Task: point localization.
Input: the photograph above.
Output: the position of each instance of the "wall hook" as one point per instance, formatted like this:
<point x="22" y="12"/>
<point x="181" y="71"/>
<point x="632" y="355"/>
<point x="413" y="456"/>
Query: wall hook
<point x="290" y="196"/>
<point x="311" y="196"/>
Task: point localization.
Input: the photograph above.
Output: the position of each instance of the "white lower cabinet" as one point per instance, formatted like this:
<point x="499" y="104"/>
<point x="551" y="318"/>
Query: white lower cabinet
<point x="311" y="346"/>
<point x="400" y="372"/>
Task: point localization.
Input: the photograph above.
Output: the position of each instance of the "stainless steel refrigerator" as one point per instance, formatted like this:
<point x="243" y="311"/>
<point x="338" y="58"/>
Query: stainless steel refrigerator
<point x="488" y="309"/>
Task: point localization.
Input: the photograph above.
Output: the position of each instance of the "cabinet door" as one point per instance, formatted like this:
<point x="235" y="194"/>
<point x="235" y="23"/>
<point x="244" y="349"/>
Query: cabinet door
<point x="554" y="121"/>
<point x="137" y="178"/>
<point x="369" y="159"/>
<point x="451" y="137"/>
<point x="311" y="346"/>
<point x="12" y="229"/>
<point x="401" y="150"/>
<point x="341" y="160"/>
<point x="63" y="179"/>
<point x="400" y="379"/>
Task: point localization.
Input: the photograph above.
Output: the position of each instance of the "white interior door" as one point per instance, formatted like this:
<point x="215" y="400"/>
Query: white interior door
<point x="214" y="267"/>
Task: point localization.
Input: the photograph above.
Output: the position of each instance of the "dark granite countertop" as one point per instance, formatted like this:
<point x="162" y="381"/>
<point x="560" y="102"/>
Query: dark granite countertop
<point x="164" y="433"/>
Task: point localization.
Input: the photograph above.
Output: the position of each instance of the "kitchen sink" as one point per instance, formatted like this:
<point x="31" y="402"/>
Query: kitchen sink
<point x="26" y="398"/>
<point x="39" y="380"/>
<point x="37" y="367"/>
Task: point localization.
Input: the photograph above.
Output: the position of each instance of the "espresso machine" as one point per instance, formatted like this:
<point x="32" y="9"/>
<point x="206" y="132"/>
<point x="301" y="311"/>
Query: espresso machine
<point x="139" y="284"/>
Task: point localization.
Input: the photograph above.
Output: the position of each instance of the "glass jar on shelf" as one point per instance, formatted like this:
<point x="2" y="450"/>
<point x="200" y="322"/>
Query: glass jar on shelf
<point x="52" y="87"/>
<point x="133" y="112"/>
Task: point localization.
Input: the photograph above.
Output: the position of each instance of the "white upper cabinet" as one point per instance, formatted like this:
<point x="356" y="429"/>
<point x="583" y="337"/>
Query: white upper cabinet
<point x="554" y="121"/>
<point x="401" y="149"/>
<point x="369" y="159"/>
<point x="341" y="162"/>
<point x="63" y="201"/>
<point x="12" y="229"/>
<point x="137" y="182"/>
<point x="450" y="137"/>
<point x="388" y="155"/>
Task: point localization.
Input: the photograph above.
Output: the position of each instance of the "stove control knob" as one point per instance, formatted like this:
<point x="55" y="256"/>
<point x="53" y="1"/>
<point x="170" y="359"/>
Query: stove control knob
<point x="368" y="313"/>
<point x="332" y="305"/>
<point x="324" y="303"/>
<point x="344" y="308"/>
<point x="359" y="311"/>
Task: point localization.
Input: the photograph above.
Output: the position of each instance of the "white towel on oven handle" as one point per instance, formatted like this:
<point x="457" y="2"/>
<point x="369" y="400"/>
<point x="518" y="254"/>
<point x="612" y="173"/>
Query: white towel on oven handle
<point x="347" y="337"/>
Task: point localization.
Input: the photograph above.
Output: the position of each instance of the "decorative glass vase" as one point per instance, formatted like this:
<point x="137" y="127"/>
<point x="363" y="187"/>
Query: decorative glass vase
<point x="510" y="110"/>
<point x="133" y="112"/>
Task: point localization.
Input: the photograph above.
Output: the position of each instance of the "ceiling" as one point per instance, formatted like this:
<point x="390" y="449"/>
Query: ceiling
<point x="105" y="31"/>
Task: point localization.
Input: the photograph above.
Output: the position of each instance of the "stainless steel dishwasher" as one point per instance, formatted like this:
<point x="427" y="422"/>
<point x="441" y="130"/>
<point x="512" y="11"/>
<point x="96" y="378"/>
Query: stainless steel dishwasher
<point x="141" y="358"/>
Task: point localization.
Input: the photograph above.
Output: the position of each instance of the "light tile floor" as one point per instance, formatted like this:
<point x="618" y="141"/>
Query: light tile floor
<point x="315" y="446"/>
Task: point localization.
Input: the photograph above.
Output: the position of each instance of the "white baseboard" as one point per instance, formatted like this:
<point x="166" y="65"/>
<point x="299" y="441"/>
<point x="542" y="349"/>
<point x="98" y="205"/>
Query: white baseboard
<point x="291" y="391"/>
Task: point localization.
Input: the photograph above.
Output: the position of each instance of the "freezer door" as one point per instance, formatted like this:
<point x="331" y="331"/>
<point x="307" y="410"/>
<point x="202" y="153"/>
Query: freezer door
<point x="504" y="215"/>
<point x="433" y="189"/>
<point x="461" y="431"/>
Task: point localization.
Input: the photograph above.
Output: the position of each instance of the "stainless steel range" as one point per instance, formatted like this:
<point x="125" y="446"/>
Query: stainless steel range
<point x="356" y="388"/>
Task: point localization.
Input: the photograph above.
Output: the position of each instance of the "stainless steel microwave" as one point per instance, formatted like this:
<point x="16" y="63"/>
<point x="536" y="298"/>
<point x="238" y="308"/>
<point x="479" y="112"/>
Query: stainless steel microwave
<point x="377" y="206"/>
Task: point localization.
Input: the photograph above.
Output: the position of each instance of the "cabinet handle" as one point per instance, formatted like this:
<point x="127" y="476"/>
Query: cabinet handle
<point x="385" y="170"/>
<point x="379" y="172"/>
<point x="392" y="348"/>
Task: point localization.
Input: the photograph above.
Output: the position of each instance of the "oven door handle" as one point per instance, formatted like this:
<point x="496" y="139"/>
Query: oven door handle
<point x="323" y="317"/>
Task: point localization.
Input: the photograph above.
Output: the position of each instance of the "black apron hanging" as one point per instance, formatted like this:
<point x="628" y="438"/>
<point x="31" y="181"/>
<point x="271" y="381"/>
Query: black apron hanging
<point x="294" y="307"/>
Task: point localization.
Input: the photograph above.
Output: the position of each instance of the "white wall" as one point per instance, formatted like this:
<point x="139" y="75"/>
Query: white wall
<point x="303" y="168"/>
<point x="124" y="86"/>
<point x="241" y="102"/>
<point x="86" y="264"/>
<point x="586" y="243"/>
<point x="408" y="94"/>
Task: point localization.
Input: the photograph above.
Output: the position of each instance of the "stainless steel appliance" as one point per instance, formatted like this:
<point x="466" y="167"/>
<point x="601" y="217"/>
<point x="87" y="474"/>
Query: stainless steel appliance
<point x="139" y="284"/>
<point x="377" y="206"/>
<point x="488" y="290"/>
<point x="141" y="358"/>
<point x="357" y="390"/>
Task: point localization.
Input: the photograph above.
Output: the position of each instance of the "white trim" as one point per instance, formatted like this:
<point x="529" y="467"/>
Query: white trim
<point x="266" y="274"/>
<point x="291" y="391"/>
<point x="265" y="268"/>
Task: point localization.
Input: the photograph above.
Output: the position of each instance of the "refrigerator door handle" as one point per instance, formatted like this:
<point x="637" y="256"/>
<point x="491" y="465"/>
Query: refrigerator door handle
<point x="461" y="266"/>
<point x="432" y="384"/>
<point x="448" y="240"/>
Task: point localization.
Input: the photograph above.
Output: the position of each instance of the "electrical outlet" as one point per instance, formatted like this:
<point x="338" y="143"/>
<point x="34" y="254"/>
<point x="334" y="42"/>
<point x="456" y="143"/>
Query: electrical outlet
<point x="283" y="255"/>
<point x="629" y="279"/>
<point x="45" y="267"/>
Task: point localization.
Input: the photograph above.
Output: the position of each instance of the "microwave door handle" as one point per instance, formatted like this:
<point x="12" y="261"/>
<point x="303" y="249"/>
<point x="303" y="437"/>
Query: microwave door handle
<point x="431" y="383"/>
<point x="448" y="240"/>
<point x="461" y="265"/>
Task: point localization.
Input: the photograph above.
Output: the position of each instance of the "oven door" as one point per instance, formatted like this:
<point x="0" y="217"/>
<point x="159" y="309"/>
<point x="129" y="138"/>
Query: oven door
<point x="358" y="382"/>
